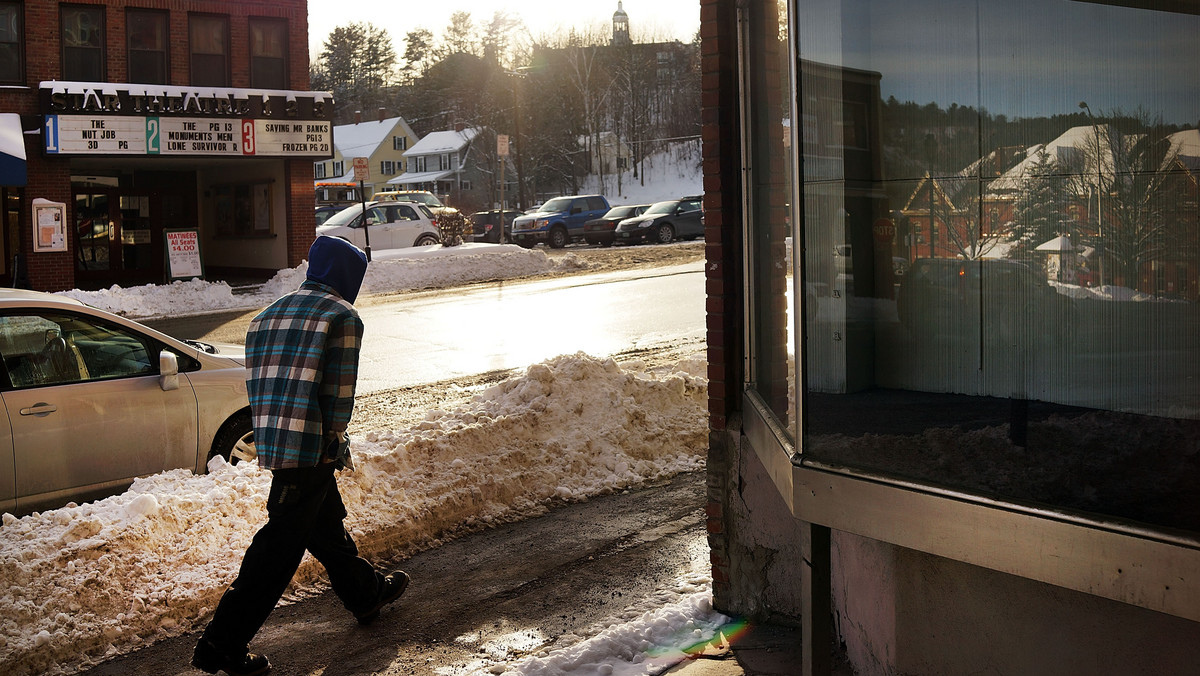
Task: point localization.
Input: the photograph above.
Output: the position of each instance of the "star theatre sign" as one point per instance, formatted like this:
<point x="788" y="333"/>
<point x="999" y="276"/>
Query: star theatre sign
<point x="124" y="119"/>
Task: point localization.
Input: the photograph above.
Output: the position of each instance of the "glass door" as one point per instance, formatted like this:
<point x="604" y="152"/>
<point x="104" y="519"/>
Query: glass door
<point x="95" y="233"/>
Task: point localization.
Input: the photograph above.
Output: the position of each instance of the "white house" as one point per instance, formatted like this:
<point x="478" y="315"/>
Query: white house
<point x="383" y="142"/>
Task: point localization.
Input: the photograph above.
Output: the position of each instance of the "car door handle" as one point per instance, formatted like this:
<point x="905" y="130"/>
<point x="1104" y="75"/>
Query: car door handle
<point x="39" y="409"/>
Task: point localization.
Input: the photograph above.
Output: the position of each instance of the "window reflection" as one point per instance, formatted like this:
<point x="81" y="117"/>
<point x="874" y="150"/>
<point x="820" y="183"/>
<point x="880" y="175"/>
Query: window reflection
<point x="1001" y="227"/>
<point x="767" y="81"/>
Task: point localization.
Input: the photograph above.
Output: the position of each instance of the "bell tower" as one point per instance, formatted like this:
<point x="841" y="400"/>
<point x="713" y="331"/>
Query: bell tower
<point x="620" y="34"/>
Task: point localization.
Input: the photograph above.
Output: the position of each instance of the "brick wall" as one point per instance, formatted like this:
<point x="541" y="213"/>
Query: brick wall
<point x="723" y="257"/>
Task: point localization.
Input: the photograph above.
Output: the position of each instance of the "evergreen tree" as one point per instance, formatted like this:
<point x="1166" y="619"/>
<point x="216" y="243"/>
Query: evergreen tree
<point x="357" y="64"/>
<point x="418" y="54"/>
<point x="1040" y="212"/>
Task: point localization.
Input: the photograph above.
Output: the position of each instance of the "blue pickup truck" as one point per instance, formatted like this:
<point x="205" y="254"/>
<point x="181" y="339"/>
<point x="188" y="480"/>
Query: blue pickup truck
<point x="558" y="221"/>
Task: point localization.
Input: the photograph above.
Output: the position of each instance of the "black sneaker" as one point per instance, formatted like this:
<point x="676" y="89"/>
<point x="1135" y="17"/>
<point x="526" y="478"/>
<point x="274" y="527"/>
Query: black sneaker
<point x="209" y="659"/>
<point x="393" y="586"/>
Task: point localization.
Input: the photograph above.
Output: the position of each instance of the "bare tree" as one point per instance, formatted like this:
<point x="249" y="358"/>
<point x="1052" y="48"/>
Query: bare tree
<point x="1129" y="177"/>
<point x="502" y="38"/>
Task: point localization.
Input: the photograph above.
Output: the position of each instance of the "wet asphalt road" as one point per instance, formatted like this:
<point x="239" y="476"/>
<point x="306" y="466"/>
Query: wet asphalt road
<point x="536" y="582"/>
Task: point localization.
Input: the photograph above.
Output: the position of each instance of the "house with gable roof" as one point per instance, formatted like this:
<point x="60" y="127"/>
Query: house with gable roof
<point x="383" y="142"/>
<point x="947" y="217"/>
<point x="447" y="164"/>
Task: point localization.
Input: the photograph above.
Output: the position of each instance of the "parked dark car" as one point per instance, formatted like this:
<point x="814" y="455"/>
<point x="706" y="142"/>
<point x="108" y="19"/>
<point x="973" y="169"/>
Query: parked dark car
<point x="602" y="230"/>
<point x="1001" y="300"/>
<point x="559" y="221"/>
<point x="483" y="225"/>
<point x="664" y="222"/>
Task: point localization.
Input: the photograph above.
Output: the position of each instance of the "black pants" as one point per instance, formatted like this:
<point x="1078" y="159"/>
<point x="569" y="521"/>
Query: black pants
<point x="304" y="511"/>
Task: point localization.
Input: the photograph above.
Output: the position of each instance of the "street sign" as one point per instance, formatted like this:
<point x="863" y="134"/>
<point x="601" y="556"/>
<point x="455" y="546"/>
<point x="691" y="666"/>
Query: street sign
<point x="884" y="230"/>
<point x="502" y="145"/>
<point x="361" y="172"/>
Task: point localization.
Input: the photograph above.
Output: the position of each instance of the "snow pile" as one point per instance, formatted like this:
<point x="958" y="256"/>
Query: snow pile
<point x="155" y="300"/>
<point x="671" y="173"/>
<point x="642" y="644"/>
<point x="1106" y="292"/>
<point x="89" y="581"/>
<point x="390" y="270"/>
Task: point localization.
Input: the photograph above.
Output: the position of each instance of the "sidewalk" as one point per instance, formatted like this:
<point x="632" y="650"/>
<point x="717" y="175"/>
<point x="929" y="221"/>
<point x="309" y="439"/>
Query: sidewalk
<point x="763" y="650"/>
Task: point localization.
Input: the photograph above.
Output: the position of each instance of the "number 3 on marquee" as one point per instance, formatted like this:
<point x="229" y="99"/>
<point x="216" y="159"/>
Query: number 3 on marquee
<point x="247" y="137"/>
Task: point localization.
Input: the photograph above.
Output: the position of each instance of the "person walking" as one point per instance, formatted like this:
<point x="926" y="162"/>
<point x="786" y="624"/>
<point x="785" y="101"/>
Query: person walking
<point x="302" y="352"/>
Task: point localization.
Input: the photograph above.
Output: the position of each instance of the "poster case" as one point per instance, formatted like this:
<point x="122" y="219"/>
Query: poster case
<point x="49" y="226"/>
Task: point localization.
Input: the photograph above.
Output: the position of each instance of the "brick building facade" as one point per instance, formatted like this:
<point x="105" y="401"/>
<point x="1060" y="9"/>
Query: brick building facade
<point x="142" y="117"/>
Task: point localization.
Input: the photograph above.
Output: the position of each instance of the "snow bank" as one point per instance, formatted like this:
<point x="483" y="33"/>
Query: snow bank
<point x="646" y="644"/>
<point x="85" y="582"/>
<point x="390" y="270"/>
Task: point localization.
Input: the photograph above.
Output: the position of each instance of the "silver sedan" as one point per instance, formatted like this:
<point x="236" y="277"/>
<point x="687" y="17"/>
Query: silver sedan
<point x="94" y="400"/>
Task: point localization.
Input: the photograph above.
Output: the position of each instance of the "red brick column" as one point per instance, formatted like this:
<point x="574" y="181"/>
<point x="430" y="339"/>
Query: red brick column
<point x="723" y="269"/>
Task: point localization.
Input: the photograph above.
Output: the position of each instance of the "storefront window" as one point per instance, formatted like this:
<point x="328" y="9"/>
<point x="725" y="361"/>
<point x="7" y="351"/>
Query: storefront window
<point x="1000" y="224"/>
<point x="83" y="43"/>
<point x="147" y="34"/>
<point x="12" y="48"/>
<point x="766" y="79"/>
<point x="209" y="50"/>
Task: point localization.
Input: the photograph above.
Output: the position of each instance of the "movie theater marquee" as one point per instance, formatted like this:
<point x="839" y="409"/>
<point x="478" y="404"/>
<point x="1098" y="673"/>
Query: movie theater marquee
<point x="112" y="119"/>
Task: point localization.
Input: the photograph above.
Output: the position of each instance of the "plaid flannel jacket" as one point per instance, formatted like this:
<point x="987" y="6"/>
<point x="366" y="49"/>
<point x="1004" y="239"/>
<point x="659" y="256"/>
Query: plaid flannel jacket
<point x="303" y="355"/>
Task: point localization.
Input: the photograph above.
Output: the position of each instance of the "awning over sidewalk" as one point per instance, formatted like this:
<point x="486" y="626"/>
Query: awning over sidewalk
<point x="12" y="150"/>
<point x="423" y="177"/>
<point x="336" y="181"/>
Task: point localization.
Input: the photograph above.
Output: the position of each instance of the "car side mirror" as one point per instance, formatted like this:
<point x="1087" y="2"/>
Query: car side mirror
<point x="168" y="371"/>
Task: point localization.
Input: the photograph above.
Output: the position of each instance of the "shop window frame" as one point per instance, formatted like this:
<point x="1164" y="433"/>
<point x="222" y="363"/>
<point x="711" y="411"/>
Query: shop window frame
<point x="1142" y="565"/>
<point x="243" y="210"/>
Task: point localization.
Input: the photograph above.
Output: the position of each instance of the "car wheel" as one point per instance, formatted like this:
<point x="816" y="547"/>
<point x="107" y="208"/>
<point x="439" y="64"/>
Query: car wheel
<point x="605" y="242"/>
<point x="558" y="238"/>
<point x="664" y="233"/>
<point x="235" y="440"/>
<point x="426" y="240"/>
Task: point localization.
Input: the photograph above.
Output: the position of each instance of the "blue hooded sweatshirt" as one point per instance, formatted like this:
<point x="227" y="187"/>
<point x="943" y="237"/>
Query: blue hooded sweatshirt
<point x="337" y="263"/>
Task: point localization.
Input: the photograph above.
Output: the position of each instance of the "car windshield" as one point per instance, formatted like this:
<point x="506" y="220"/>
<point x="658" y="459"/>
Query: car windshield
<point x="324" y="214"/>
<point x="621" y="212"/>
<point x="423" y="198"/>
<point x="346" y="216"/>
<point x="661" y="208"/>
<point x="557" y="204"/>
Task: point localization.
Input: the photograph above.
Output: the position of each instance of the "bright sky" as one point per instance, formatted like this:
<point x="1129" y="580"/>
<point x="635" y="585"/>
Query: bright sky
<point x="670" y="19"/>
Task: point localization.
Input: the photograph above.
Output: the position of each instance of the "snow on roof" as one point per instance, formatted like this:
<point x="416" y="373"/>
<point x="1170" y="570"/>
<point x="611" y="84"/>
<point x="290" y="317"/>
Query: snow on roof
<point x="361" y="139"/>
<point x="1075" y="137"/>
<point x="1186" y="144"/>
<point x="442" y="142"/>
<point x="347" y="179"/>
<point x="418" y="177"/>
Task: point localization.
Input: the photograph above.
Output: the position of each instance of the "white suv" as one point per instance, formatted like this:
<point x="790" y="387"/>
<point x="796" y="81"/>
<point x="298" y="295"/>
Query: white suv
<point x="391" y="225"/>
